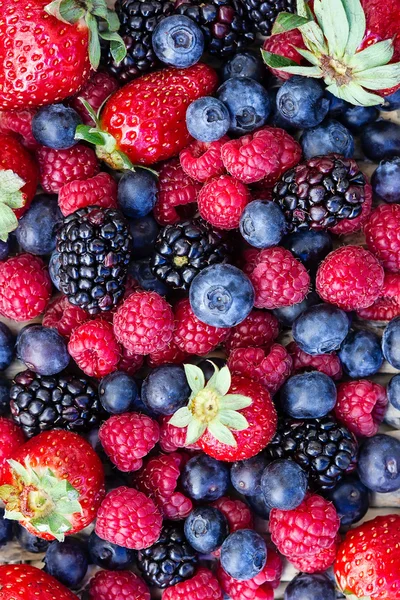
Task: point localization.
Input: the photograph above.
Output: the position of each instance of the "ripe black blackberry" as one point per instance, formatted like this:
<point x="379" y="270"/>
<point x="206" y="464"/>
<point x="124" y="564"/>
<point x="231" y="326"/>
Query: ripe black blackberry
<point x="170" y="560"/>
<point x="41" y="402"/>
<point x="264" y="12"/>
<point x="325" y="449"/>
<point x="319" y="193"/>
<point x="95" y="249"/>
<point x="183" y="250"/>
<point x="225" y="23"/>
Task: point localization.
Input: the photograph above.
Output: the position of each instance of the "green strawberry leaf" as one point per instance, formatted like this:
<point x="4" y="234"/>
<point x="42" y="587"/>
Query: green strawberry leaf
<point x="194" y="432"/>
<point x="379" y="78"/>
<point x="332" y="19"/>
<point x="94" y="43"/>
<point x="8" y="222"/>
<point x="20" y="470"/>
<point x="233" y="420"/>
<point x="234" y="402"/>
<point x="223" y="381"/>
<point x="315" y="71"/>
<point x="88" y="134"/>
<point x="310" y="56"/>
<point x="355" y="94"/>
<point x="181" y="418"/>
<point x="374" y="56"/>
<point x="195" y="378"/>
<point x="287" y="21"/>
<point x="275" y="61"/>
<point x="222" y="433"/>
<point x="66" y="11"/>
<point x="356" y="20"/>
<point x="117" y="45"/>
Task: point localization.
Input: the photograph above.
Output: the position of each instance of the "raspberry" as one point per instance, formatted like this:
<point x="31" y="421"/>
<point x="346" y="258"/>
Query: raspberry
<point x="251" y="589"/>
<point x="171" y="355"/>
<point x="350" y="277"/>
<point x="64" y="317"/>
<point x="259" y="329"/>
<point x="361" y="406"/>
<point x="263" y="155"/>
<point x="222" y="201"/>
<point x="345" y="226"/>
<point x="270" y="368"/>
<point x="100" y="190"/>
<point x="118" y="585"/>
<point x="58" y="167"/>
<point x="305" y="530"/>
<point x="175" y="188"/>
<point x="99" y="87"/>
<point x="203" y="586"/>
<point x="192" y="335"/>
<point x="324" y="363"/>
<point x="19" y="122"/>
<point x="127" y="438"/>
<point x="202" y="160"/>
<point x="25" y="287"/>
<point x="278" y="278"/>
<point x="237" y="513"/>
<point x="285" y="44"/>
<point x="144" y="323"/>
<point x="128" y="518"/>
<point x="94" y="348"/>
<point x="272" y="571"/>
<point x="130" y="363"/>
<point x="11" y="437"/>
<point x="382" y="233"/>
<point x="316" y="563"/>
<point x="387" y="307"/>
<point x="172" y="438"/>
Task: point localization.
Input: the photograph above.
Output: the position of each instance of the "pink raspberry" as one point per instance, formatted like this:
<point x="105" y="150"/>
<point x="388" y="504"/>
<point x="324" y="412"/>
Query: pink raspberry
<point x="95" y="91"/>
<point x="175" y="188"/>
<point x="172" y="438"/>
<point x="259" y="329"/>
<point x="324" y="363"/>
<point x="222" y="201"/>
<point x="118" y="585"/>
<point x="100" y="190"/>
<point x="382" y="233"/>
<point x="270" y="368"/>
<point x="202" y="161"/>
<point x="361" y="406"/>
<point x="192" y="335"/>
<point x="19" y="123"/>
<point x="346" y="226"/>
<point x="64" y="316"/>
<point x="130" y="363"/>
<point x="94" y="348"/>
<point x="237" y="513"/>
<point x="171" y="355"/>
<point x="285" y="44"/>
<point x="316" y="563"/>
<point x="58" y="167"/>
<point x="387" y="306"/>
<point x="203" y="586"/>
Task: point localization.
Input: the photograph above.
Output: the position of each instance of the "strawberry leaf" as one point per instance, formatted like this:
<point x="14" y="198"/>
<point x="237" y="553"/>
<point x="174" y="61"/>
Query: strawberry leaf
<point x="234" y="402"/>
<point x="287" y="21"/>
<point x="332" y="19"/>
<point x="233" y="420"/>
<point x="181" y="418"/>
<point x="223" y="381"/>
<point x="355" y="94"/>
<point x="94" y="43"/>
<point x="374" y="56"/>
<point x="117" y="45"/>
<point x="195" y="378"/>
<point x="275" y="61"/>
<point x="8" y="222"/>
<point x="379" y="78"/>
<point x="194" y="432"/>
<point x="88" y="134"/>
<point x="222" y="433"/>
<point x="310" y="56"/>
<point x="356" y="20"/>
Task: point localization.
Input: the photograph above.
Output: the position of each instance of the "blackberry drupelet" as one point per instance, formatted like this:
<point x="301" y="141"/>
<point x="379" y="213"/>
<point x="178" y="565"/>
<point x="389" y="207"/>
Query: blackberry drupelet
<point x="95" y="249"/>
<point x="170" y="560"/>
<point x="183" y="250"/>
<point x="225" y="23"/>
<point x="325" y="449"/>
<point x="264" y="12"/>
<point x="39" y="403"/>
<point x="317" y="194"/>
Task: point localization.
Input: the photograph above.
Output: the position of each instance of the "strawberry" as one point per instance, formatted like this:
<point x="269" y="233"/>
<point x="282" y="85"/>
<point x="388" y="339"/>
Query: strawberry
<point x="54" y="484"/>
<point x="28" y="583"/>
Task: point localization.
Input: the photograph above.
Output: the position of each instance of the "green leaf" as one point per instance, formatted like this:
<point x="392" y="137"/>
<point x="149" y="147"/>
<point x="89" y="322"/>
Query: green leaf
<point x="302" y="8"/>
<point x="89" y="134"/>
<point x="68" y="507"/>
<point x="53" y="9"/>
<point x="275" y="61"/>
<point x="223" y="381"/>
<point x="194" y="432"/>
<point x="379" y="78"/>
<point x="20" y="470"/>
<point x="112" y="20"/>
<point x="117" y="45"/>
<point x="94" y="43"/>
<point x="356" y="19"/>
<point x="6" y="491"/>
<point x="234" y="402"/>
<point x="310" y="56"/>
<point x="89" y="109"/>
<point x="233" y="420"/>
<point x="355" y="94"/>
<point x="333" y="21"/>
<point x="374" y="56"/>
<point x="287" y="21"/>
<point x="313" y="38"/>
<point x="13" y="515"/>
<point x="212" y="381"/>
<point x="195" y="378"/>
<point x="222" y="433"/>
<point x="181" y="418"/>
<point x="8" y="222"/>
<point x="71" y="11"/>
<point x="315" y="72"/>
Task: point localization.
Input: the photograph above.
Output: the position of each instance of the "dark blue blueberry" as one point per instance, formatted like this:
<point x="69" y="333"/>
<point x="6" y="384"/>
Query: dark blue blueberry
<point x="288" y="314"/>
<point x="361" y="354"/>
<point x="6" y="529"/>
<point x="379" y="463"/>
<point x="109" y="556"/>
<point x="351" y="500"/>
<point x="54" y="269"/>
<point x="141" y="271"/>
<point x="144" y="232"/>
<point x="309" y="246"/>
<point x="275" y="118"/>
<point x="385" y="181"/>
<point x="42" y="349"/>
<point x="207" y="119"/>
<point x="321" y="329"/>
<point x="37" y="228"/>
<point x="55" y="126"/>
<point x="392" y="102"/>
<point x="178" y="41"/>
<point x="4" y="396"/>
<point x="381" y="140"/>
<point x="329" y="136"/>
<point x="356" y="117"/>
<point x="137" y="193"/>
<point x="7" y="344"/>
<point x="311" y="587"/>
<point x="166" y="389"/>
<point x="118" y="393"/>
<point x="204" y="478"/>
<point x="284" y="484"/>
<point x="248" y="103"/>
<point x="67" y="561"/>
<point x="262" y="224"/>
<point x="30" y="542"/>
<point x="337" y="106"/>
<point x="391" y="343"/>
<point x="4" y="250"/>
<point x="243" y="554"/>
<point x="246" y="475"/>
<point x="258" y="506"/>
<point x="308" y="395"/>
<point x="206" y="528"/>
<point x="221" y="295"/>
<point x="301" y="101"/>
<point x="393" y="392"/>
<point x="244" y="64"/>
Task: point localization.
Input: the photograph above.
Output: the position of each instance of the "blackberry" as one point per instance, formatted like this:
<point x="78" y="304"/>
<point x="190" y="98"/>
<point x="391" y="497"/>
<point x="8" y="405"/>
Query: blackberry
<point x="95" y="249"/>
<point x="42" y="402"/>
<point x="183" y="250"/>
<point x="170" y="560"/>
<point x="264" y="12"/>
<point x="325" y="449"/>
<point x="225" y="23"/>
<point x="317" y="194"/>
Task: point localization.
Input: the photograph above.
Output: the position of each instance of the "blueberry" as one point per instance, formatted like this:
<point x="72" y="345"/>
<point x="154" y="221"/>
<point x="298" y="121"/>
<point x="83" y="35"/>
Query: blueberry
<point x="207" y="119"/>
<point x="393" y="392"/>
<point x="178" y="41"/>
<point x="329" y="136"/>
<point x="37" y="228"/>
<point x="166" y="389"/>
<point x="301" y="102"/>
<point x="361" y="354"/>
<point x="55" y="126"/>
<point x="385" y="181"/>
<point x="321" y="329"/>
<point x="7" y="343"/>
<point x="244" y="64"/>
<point x="351" y="500"/>
<point x="30" y="542"/>
<point x="309" y="246"/>
<point x="258" y="506"/>
<point x="118" y="393"/>
<point x="6" y="529"/>
<point x="42" y="349"/>
<point x="310" y="587"/>
<point x="221" y="295"/>
<point x="337" y="106"/>
<point x="288" y="314"/>
<point x="137" y="193"/>
<point x="54" y="269"/>
<point x="308" y="395"/>
<point x="379" y="463"/>
<point x="391" y="343"/>
<point x="392" y="102"/>
<point x="144" y="232"/>
<point x="284" y="484"/>
<point x="262" y="224"/>
<point x="206" y="528"/>
<point x="204" y="478"/>
<point x="109" y="556"/>
<point x="246" y="475"/>
<point x="141" y="271"/>
<point x="4" y="250"/>
<point x="392" y="416"/>
<point x="248" y="104"/>
<point x="275" y="118"/>
<point x="4" y="396"/>
<point x="356" y="117"/>
<point x="67" y="561"/>
<point x="381" y="140"/>
<point x="243" y="554"/>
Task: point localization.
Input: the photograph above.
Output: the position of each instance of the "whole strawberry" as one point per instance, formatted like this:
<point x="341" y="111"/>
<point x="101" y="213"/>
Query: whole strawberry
<point x="30" y="583"/>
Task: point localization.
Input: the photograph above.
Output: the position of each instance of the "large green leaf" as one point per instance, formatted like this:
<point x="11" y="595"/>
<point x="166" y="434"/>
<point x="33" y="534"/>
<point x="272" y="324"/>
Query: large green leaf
<point x="356" y="21"/>
<point x="332" y="19"/>
<point x="315" y="72"/>
<point x="287" y="21"/>
<point x="374" y="56"/>
<point x="275" y="61"/>
<point x="355" y="94"/>
<point x="379" y="78"/>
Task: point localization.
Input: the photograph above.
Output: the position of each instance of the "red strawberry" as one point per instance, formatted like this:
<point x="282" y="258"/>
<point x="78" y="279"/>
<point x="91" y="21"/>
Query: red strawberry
<point x="54" y="484"/>
<point x="11" y="437"/>
<point x="28" y="583"/>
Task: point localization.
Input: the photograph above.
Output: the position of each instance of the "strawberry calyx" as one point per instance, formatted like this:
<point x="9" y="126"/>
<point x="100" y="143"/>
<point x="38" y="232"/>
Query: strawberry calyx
<point x="11" y="197"/>
<point x="211" y="408"/>
<point x="40" y="498"/>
